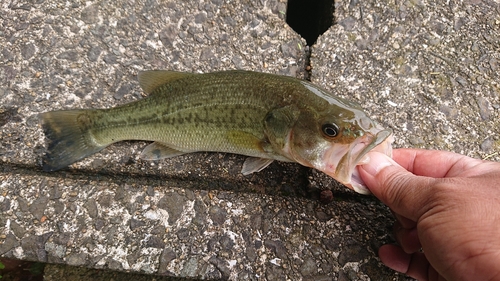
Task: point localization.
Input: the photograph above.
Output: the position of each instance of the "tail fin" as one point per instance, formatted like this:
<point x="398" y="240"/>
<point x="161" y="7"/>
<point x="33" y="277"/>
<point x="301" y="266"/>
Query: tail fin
<point x="69" y="138"/>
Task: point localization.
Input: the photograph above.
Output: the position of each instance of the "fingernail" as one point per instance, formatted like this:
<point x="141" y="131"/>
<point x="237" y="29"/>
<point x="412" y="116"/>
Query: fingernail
<point x="364" y="160"/>
<point x="377" y="161"/>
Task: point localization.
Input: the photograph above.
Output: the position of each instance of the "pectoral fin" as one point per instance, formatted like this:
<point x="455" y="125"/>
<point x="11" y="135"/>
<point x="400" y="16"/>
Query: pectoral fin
<point x="255" y="164"/>
<point x="157" y="151"/>
<point x="278" y="124"/>
<point x="152" y="79"/>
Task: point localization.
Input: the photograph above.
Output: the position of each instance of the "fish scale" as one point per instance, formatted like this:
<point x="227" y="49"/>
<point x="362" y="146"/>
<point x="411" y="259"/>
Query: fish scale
<point x="158" y="116"/>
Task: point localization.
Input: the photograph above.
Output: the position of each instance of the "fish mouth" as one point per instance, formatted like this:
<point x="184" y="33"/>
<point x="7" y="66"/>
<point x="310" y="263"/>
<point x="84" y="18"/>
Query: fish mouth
<point x="346" y="170"/>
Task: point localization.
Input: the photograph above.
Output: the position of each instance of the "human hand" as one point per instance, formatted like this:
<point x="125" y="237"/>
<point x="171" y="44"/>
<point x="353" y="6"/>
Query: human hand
<point x="446" y="204"/>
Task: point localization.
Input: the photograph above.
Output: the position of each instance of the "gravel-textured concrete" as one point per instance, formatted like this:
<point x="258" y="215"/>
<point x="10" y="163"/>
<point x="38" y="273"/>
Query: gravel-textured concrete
<point x="427" y="69"/>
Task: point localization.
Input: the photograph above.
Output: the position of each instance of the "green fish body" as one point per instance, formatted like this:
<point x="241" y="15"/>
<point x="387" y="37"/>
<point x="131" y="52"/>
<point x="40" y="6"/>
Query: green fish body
<point x="267" y="117"/>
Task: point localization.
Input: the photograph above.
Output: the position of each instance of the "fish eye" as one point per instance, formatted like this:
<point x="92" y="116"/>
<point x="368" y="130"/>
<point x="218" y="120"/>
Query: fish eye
<point x="330" y="130"/>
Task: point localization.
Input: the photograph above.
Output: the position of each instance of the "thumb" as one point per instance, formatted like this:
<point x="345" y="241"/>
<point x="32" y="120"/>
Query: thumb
<point x="404" y="192"/>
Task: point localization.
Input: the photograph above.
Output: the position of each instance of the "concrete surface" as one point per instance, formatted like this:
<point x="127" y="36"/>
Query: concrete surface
<point x="427" y="69"/>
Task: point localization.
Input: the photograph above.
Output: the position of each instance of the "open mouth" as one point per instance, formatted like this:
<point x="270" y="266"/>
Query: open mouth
<point x="346" y="171"/>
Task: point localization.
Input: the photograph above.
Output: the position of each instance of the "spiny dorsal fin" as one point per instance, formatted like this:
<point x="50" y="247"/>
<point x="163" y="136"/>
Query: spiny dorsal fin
<point x="152" y="79"/>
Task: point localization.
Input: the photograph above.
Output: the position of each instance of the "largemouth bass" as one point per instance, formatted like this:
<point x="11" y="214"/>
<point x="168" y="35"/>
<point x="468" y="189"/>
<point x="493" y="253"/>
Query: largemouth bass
<point x="267" y="117"/>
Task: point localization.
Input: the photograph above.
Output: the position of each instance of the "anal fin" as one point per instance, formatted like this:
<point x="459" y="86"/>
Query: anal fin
<point x="255" y="164"/>
<point x="157" y="151"/>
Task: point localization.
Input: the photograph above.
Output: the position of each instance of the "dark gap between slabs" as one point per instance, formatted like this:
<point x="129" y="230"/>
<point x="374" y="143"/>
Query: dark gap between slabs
<point x="310" y="19"/>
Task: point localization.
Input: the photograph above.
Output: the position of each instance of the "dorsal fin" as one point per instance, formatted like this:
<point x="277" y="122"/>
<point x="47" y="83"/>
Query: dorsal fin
<point x="152" y="79"/>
